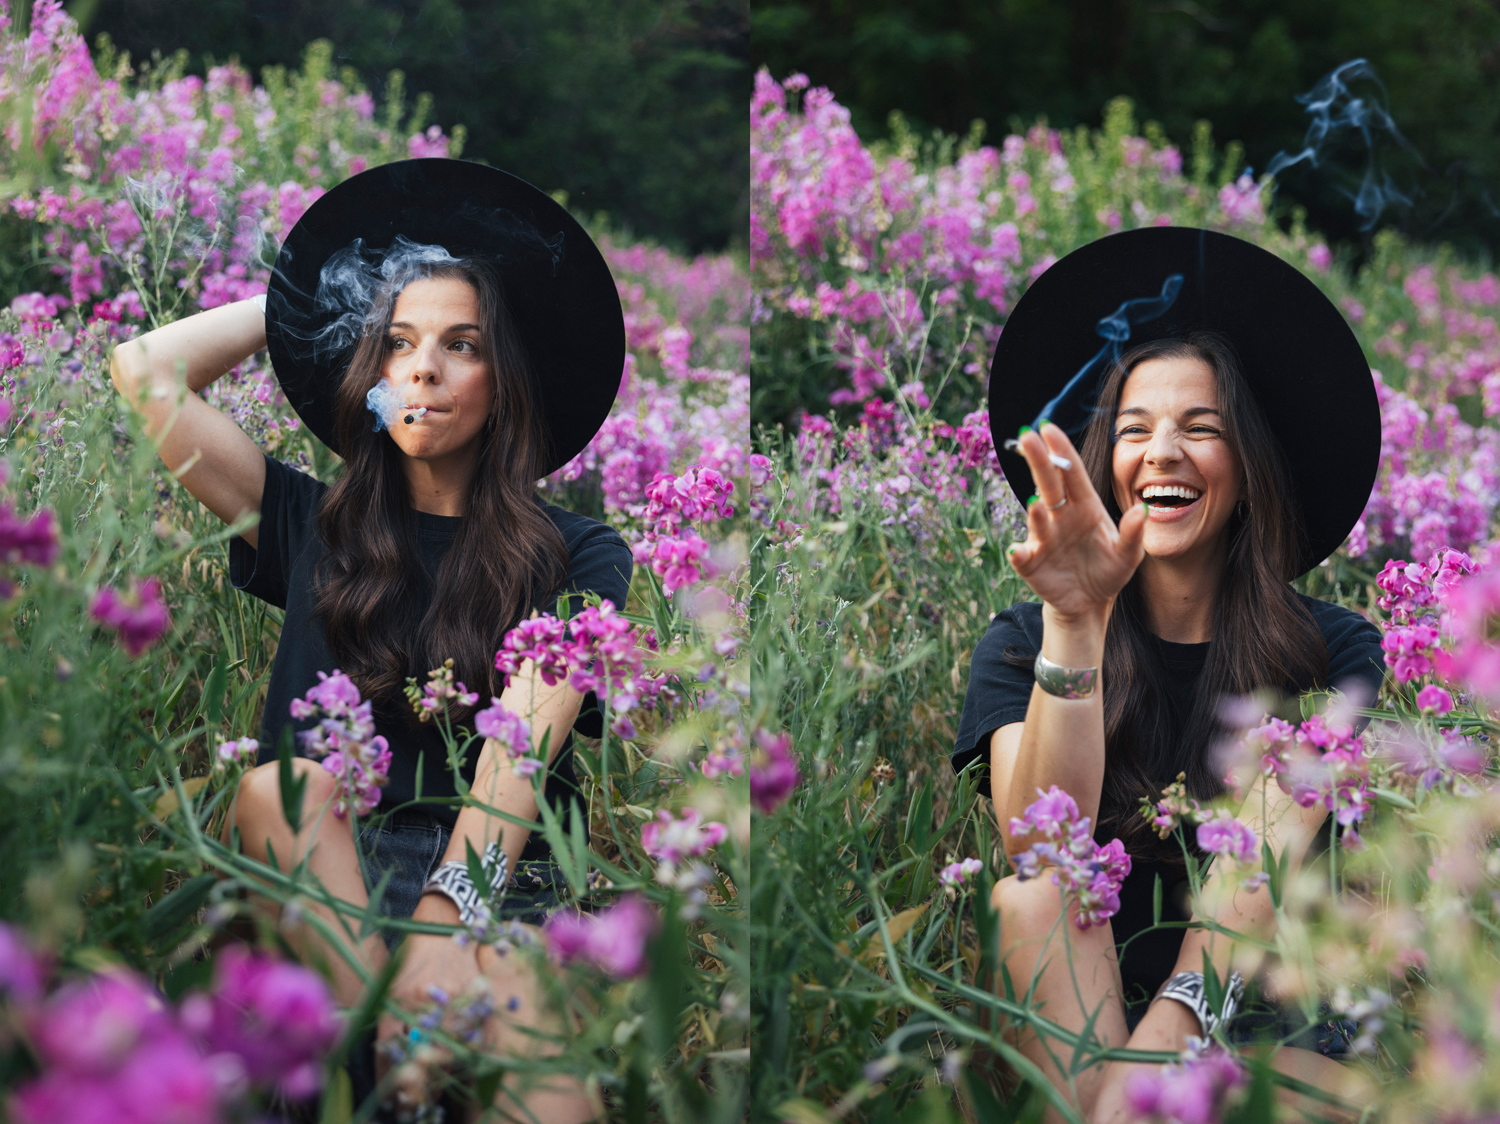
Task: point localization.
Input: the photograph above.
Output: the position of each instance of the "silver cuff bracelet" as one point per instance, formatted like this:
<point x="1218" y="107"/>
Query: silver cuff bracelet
<point x="1188" y="988"/>
<point x="1065" y="682"/>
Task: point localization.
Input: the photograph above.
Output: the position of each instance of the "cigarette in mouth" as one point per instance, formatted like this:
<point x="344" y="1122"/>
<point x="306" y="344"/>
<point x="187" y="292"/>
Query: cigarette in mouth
<point x="415" y="414"/>
<point x="1062" y="462"/>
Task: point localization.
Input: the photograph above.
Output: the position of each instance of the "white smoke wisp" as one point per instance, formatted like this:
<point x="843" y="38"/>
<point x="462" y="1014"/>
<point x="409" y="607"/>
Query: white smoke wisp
<point x="383" y="402"/>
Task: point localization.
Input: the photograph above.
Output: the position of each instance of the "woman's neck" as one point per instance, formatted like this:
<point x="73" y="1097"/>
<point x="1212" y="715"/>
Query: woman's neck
<point x="1181" y="597"/>
<point x="440" y="486"/>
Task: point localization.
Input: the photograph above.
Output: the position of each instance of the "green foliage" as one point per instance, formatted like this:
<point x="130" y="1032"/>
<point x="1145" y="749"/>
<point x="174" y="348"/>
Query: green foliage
<point x="946" y="63"/>
<point x="635" y="109"/>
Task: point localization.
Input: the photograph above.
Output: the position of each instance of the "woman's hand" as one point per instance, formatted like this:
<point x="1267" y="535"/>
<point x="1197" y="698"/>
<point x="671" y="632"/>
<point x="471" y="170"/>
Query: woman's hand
<point x="430" y="961"/>
<point x="1074" y="558"/>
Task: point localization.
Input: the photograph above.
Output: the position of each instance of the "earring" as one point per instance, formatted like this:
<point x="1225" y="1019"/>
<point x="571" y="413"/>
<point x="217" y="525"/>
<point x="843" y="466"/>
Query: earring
<point x="1242" y="510"/>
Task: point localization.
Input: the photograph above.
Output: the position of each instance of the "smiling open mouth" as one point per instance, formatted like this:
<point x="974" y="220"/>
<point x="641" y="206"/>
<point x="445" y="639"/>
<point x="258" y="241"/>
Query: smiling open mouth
<point x="1170" y="495"/>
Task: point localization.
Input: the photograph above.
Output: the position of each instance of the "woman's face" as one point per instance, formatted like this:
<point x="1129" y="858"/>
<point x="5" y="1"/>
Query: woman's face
<point x="432" y="359"/>
<point x="1170" y="452"/>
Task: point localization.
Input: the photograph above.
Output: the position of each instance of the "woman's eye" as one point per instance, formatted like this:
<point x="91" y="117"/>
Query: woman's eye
<point x="394" y="343"/>
<point x="466" y="346"/>
<point x="1130" y="431"/>
<point x="1203" y="431"/>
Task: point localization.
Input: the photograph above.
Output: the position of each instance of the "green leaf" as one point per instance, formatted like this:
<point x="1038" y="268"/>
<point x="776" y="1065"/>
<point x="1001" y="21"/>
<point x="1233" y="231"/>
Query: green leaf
<point x="477" y="873"/>
<point x="338" y="1098"/>
<point x="292" y="786"/>
<point x="168" y="914"/>
<point x="1156" y="901"/>
<point x="919" y="819"/>
<point x="213" y="692"/>
<point x="486" y="1088"/>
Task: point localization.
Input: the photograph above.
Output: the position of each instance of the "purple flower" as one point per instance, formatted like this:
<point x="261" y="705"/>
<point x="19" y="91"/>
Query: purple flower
<point x="140" y="616"/>
<point x="1088" y="873"/>
<point x="672" y="840"/>
<point x="1225" y="835"/>
<point x="241" y="752"/>
<point x="22" y="972"/>
<point x="614" y="940"/>
<point x="508" y="728"/>
<point x="773" y="778"/>
<point x="1190" y="1091"/>
<point x="279" y="1018"/>
<point x="345" y="741"/>
<point x="90" y="1027"/>
<point x="1433" y="699"/>
<point x="33" y="540"/>
<point x="1050" y="816"/>
<point x="956" y="874"/>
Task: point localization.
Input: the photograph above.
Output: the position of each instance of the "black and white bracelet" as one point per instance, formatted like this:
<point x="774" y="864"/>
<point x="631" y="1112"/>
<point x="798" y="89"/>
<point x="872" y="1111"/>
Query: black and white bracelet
<point x="453" y="882"/>
<point x="1188" y="989"/>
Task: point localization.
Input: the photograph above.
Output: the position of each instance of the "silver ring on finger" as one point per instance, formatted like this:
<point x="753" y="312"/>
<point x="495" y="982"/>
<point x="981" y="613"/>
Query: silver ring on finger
<point x="1058" y="504"/>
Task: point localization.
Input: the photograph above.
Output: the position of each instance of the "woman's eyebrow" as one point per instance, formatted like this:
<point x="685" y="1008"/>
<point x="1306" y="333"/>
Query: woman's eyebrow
<point x="1196" y="411"/>
<point x="452" y="328"/>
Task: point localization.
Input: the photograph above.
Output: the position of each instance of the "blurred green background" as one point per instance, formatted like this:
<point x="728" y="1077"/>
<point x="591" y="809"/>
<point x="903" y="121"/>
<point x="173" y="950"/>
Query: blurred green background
<point x="1235" y="63"/>
<point x="636" y="108"/>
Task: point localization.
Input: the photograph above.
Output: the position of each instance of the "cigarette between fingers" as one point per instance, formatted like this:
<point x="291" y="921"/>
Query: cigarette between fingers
<point x="1061" y="462"/>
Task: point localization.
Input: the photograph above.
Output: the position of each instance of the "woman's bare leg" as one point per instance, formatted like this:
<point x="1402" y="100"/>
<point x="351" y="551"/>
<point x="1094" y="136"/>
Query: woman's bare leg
<point x="514" y="984"/>
<point x="1034" y="946"/>
<point x="327" y="842"/>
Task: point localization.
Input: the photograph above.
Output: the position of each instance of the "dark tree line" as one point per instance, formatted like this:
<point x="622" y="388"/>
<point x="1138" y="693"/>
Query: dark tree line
<point x="634" y="107"/>
<point x="1235" y="63"/>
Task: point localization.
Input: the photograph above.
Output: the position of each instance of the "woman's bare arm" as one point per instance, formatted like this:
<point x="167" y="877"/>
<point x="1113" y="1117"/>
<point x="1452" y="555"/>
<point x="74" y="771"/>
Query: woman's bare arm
<point x="1076" y="560"/>
<point x="202" y="447"/>
<point x="551" y="711"/>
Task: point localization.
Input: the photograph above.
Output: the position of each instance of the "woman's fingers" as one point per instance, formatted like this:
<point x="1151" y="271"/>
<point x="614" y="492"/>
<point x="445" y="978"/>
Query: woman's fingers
<point x="1045" y="476"/>
<point x="1133" y="530"/>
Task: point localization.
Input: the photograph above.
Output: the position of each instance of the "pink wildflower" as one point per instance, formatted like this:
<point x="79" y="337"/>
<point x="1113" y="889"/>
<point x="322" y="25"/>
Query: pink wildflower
<point x="139" y="616"/>
<point x="774" y="777"/>
<point x="614" y="940"/>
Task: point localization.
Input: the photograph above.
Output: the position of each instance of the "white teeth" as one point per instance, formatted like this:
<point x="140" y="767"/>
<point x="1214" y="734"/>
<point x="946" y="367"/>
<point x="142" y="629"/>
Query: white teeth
<point x="1156" y="491"/>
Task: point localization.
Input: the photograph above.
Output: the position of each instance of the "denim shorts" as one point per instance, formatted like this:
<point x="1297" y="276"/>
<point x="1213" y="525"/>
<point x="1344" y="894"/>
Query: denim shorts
<point x="410" y="845"/>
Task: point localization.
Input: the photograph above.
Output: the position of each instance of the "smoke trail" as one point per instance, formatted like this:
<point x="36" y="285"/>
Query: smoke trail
<point x="1337" y="114"/>
<point x="383" y="402"/>
<point x="328" y="324"/>
<point x="1115" y="328"/>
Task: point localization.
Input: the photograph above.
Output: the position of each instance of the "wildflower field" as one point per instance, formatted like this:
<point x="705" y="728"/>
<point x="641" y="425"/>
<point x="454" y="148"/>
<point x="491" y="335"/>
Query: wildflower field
<point x="882" y="277"/>
<point x="136" y="981"/>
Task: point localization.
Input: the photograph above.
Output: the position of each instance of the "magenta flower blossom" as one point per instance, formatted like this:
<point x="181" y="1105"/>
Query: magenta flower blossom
<point x="1086" y="872"/>
<point x="1471" y="605"/>
<point x="1193" y="1090"/>
<point x="542" y="639"/>
<point x="514" y="735"/>
<point x="279" y="1018"/>
<point x="139" y="616"/>
<point x="33" y="540"/>
<point x="672" y="840"/>
<point x="241" y="752"/>
<point x="1432" y="699"/>
<point x="1225" y="835"/>
<point x="1320" y="762"/>
<point x="956" y="874"/>
<point x="22" y="971"/>
<point x="775" y="775"/>
<point x="345" y="741"/>
<point x="613" y="940"/>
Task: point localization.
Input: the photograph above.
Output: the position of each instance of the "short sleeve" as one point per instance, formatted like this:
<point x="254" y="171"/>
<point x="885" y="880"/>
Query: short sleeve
<point x="598" y="560"/>
<point x="1000" y="683"/>
<point x="1354" y="652"/>
<point x="288" y="520"/>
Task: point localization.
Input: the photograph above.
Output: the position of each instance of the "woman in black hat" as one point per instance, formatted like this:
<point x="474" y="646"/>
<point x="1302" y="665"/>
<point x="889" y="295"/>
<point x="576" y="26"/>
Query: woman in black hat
<point x="1228" y="440"/>
<point x="455" y="336"/>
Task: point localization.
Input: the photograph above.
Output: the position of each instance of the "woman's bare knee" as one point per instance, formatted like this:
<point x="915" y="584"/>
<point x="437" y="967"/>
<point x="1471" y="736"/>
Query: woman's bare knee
<point x="257" y="810"/>
<point x="1027" y="909"/>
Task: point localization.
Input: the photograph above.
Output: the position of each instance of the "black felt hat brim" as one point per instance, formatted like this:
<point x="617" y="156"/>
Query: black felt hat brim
<point x="1299" y="356"/>
<point x="564" y="304"/>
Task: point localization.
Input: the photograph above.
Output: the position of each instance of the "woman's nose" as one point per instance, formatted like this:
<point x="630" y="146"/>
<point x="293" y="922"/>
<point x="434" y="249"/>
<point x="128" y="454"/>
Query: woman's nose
<point x="425" y="367"/>
<point x="1164" y="447"/>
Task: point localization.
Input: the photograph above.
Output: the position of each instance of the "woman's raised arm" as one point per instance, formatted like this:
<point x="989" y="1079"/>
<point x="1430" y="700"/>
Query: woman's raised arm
<point x="1076" y="560"/>
<point x="203" y="448"/>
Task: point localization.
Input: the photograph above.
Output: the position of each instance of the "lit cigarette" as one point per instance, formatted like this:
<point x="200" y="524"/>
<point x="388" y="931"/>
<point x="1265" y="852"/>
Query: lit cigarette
<point x="415" y="414"/>
<point x="1062" y="462"/>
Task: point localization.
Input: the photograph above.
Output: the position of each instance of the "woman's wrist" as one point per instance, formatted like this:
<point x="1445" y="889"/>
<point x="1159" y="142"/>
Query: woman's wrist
<point x="1074" y="640"/>
<point x="436" y="908"/>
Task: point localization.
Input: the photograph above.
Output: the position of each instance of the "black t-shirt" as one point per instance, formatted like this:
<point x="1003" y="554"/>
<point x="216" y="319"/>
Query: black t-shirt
<point x="280" y="570"/>
<point x="999" y="694"/>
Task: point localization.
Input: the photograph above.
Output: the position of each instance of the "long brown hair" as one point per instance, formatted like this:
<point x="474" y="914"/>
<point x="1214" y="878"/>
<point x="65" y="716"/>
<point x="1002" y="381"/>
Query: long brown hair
<point x="1263" y="637"/>
<point x="507" y="554"/>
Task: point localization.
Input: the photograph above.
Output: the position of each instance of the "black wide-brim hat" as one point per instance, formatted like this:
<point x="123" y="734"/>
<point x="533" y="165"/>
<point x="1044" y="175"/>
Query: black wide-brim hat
<point x="557" y="287"/>
<point x="1301" y="360"/>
